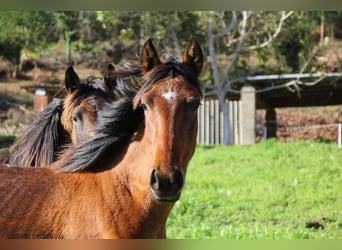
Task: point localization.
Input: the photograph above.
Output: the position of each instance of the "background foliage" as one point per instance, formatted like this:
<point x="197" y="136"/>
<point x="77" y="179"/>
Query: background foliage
<point x="113" y="34"/>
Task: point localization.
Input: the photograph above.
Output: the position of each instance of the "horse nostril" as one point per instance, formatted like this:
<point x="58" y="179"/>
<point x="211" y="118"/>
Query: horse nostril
<point x="154" y="179"/>
<point x="177" y="180"/>
<point x="171" y="183"/>
<point x="167" y="188"/>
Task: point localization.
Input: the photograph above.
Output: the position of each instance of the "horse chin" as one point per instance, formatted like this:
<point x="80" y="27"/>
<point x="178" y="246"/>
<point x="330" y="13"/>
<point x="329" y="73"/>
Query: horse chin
<point x="166" y="197"/>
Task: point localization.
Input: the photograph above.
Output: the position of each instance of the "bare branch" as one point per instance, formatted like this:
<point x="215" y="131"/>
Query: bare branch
<point x="311" y="83"/>
<point x="312" y="55"/>
<point x="209" y="93"/>
<point x="245" y="16"/>
<point x="292" y="85"/>
<point x="229" y="28"/>
<point x="212" y="54"/>
<point x="247" y="30"/>
<point x="283" y="17"/>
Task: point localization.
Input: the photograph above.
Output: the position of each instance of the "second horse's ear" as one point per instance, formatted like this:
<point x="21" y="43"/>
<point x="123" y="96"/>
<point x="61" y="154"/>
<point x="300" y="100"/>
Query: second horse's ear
<point x="110" y="67"/>
<point x="149" y="56"/>
<point x="71" y="81"/>
<point x="193" y="56"/>
<point x="109" y="78"/>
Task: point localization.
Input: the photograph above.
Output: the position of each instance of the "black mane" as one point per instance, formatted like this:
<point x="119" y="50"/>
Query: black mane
<point x="40" y="143"/>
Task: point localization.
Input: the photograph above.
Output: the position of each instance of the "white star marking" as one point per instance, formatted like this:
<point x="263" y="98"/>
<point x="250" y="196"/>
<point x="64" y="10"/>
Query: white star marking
<point x="169" y="95"/>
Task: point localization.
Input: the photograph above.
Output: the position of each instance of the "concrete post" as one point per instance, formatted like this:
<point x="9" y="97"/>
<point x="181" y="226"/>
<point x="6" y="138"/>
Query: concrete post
<point x="41" y="100"/>
<point x="247" y="115"/>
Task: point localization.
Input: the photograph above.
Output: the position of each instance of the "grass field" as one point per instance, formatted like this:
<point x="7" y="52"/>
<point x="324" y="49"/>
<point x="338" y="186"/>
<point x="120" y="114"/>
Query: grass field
<point x="271" y="190"/>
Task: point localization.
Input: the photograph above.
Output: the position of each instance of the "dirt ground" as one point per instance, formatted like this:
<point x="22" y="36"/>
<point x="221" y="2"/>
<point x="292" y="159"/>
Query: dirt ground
<point x="304" y="124"/>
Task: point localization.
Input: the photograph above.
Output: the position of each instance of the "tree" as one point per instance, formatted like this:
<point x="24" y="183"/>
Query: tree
<point x="231" y="35"/>
<point x="13" y="35"/>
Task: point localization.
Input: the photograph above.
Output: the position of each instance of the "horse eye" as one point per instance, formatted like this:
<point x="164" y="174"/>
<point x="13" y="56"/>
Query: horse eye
<point x="76" y="118"/>
<point x="194" y="105"/>
<point x="92" y="102"/>
<point x="144" y="106"/>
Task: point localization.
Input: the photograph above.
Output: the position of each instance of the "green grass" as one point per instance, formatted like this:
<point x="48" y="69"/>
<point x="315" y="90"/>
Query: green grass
<point x="271" y="190"/>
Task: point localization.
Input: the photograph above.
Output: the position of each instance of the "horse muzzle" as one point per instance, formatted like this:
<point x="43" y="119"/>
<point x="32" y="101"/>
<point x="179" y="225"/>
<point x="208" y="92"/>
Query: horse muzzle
<point x="167" y="188"/>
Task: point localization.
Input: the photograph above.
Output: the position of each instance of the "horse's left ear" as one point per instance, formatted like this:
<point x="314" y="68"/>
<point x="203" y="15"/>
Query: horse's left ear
<point x="149" y="56"/>
<point x="193" y="56"/>
<point x="71" y="80"/>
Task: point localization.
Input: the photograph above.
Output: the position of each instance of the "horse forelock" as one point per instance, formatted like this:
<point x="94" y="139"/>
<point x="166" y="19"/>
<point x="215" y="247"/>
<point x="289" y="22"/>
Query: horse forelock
<point x="94" y="82"/>
<point x="163" y="72"/>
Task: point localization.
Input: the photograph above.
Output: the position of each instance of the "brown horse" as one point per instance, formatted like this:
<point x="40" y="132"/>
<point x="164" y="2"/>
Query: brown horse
<point x="123" y="182"/>
<point x="63" y="121"/>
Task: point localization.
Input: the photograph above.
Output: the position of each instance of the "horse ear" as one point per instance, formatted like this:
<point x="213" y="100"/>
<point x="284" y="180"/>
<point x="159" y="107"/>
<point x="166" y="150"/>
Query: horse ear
<point x="110" y="67"/>
<point x="109" y="77"/>
<point x="193" y="56"/>
<point x="71" y="80"/>
<point x="149" y="56"/>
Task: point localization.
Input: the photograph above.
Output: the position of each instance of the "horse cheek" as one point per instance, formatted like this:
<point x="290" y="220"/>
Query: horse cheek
<point x="191" y="133"/>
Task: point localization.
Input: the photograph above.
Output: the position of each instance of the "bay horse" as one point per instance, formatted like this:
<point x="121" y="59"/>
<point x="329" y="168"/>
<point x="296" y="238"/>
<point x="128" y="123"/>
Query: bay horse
<point x="63" y="121"/>
<point x="124" y="181"/>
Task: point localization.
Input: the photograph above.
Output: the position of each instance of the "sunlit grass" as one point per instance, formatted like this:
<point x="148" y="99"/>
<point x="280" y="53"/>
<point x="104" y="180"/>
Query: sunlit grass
<point x="270" y="190"/>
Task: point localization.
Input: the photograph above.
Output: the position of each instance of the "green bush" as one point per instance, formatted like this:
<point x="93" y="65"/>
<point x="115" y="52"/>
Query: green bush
<point x="6" y="140"/>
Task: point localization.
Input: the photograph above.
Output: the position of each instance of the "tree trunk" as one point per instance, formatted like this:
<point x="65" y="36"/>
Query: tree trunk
<point x="226" y="120"/>
<point x="218" y="86"/>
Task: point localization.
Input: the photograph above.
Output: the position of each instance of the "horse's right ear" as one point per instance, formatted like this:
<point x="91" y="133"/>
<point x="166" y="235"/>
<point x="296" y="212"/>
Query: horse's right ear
<point x="71" y="81"/>
<point x="149" y="56"/>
